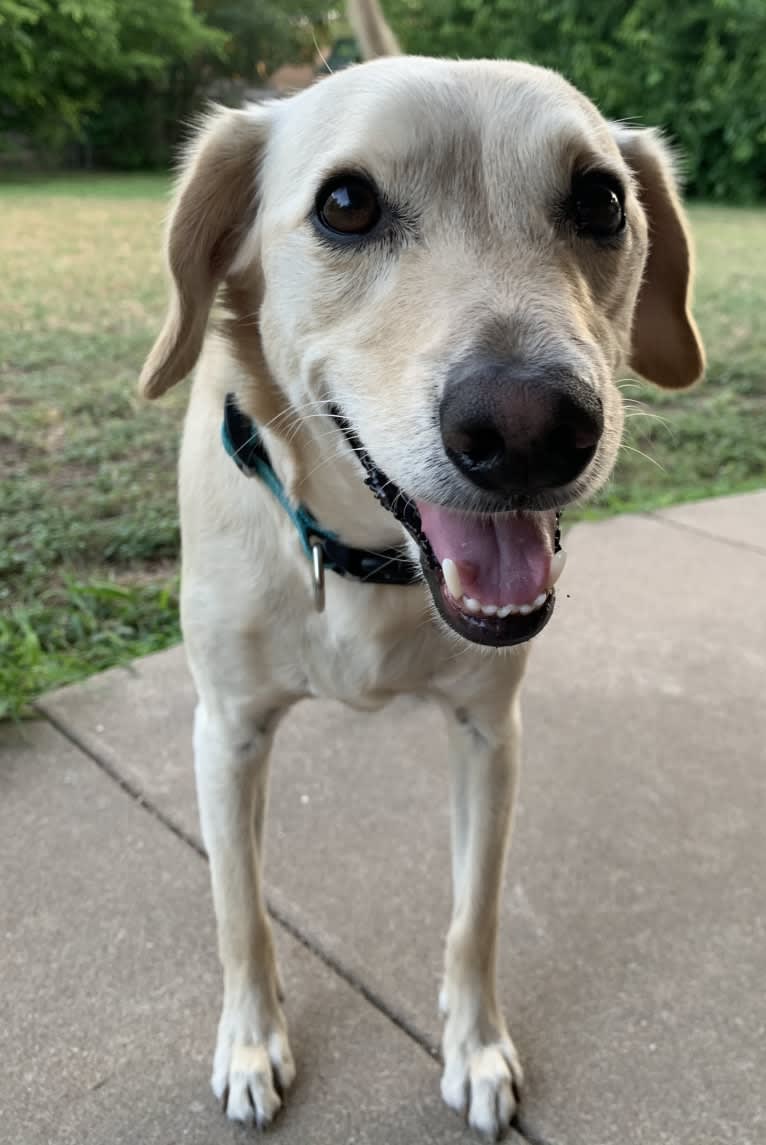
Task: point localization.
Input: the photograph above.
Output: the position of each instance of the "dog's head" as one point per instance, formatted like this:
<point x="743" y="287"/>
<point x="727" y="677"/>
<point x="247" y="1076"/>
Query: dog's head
<point x="458" y="259"/>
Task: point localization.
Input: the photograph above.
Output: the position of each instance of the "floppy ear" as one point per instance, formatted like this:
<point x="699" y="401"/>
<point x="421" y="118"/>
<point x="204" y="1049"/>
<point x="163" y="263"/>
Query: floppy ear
<point x="214" y="206"/>
<point x="665" y="345"/>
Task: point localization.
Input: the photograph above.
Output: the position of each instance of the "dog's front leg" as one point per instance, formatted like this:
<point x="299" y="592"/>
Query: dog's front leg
<point x="253" y="1064"/>
<point x="482" y="1074"/>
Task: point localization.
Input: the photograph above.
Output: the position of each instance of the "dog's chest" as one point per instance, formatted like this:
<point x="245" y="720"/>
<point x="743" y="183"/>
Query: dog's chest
<point x="364" y="655"/>
<point x="359" y="677"/>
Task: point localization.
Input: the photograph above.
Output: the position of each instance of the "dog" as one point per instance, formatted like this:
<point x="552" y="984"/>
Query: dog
<point x="430" y="274"/>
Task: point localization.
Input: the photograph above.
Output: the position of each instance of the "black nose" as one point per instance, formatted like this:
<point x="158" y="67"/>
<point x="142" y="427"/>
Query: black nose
<point x="515" y="429"/>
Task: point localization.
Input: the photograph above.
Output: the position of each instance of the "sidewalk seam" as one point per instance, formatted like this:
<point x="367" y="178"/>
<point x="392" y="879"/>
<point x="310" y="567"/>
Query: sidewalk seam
<point x="279" y="916"/>
<point x="519" y="1124"/>
<point x="348" y="976"/>
<point x="684" y="526"/>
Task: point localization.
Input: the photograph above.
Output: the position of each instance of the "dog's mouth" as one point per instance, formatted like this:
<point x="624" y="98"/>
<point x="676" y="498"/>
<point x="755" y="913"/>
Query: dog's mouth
<point x="492" y="575"/>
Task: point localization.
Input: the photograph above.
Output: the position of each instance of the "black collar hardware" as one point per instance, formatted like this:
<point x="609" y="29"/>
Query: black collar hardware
<point x="243" y="442"/>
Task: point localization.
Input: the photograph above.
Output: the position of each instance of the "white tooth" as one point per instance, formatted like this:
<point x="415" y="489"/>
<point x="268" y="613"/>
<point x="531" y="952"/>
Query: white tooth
<point x="557" y="567"/>
<point x="452" y="578"/>
<point x="540" y="600"/>
<point x="489" y="609"/>
<point x="505" y="611"/>
<point x="471" y="604"/>
<point x="526" y="609"/>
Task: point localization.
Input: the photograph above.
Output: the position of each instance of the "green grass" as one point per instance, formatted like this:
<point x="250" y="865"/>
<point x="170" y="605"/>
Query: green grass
<point x="88" y="527"/>
<point x="88" y="530"/>
<point x="710" y="440"/>
<point x="98" y="185"/>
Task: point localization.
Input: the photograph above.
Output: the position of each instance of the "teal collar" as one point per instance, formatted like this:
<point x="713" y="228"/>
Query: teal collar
<point x="243" y="442"/>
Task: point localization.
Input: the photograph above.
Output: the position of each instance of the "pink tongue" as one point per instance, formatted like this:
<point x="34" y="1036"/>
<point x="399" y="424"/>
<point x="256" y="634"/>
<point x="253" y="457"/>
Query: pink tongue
<point x="504" y="559"/>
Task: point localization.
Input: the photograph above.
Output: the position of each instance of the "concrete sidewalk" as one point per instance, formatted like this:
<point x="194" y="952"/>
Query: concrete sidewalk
<point x="634" y="950"/>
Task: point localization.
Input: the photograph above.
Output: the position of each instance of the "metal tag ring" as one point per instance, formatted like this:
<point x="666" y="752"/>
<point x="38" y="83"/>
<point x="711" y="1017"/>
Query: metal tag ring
<point x="317" y="573"/>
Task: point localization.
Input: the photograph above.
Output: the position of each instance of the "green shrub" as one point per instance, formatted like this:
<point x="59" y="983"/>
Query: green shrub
<point x="65" y="61"/>
<point x="121" y="79"/>
<point x="697" y="69"/>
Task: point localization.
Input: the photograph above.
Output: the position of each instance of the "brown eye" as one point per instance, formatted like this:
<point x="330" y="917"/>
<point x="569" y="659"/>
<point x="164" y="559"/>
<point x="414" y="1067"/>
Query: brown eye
<point x="598" y="205"/>
<point x="348" y="205"/>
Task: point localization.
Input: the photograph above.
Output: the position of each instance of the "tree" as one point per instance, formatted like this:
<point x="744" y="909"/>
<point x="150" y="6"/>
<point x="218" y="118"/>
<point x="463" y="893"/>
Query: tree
<point x="122" y="76"/>
<point x="262" y="34"/>
<point x="696" y="69"/>
<point x="166" y="51"/>
<point x="62" y="57"/>
<point x="47" y="79"/>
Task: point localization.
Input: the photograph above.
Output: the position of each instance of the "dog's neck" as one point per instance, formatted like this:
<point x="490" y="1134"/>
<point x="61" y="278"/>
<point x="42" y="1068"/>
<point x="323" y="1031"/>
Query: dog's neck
<point x="309" y="455"/>
<point x="317" y="469"/>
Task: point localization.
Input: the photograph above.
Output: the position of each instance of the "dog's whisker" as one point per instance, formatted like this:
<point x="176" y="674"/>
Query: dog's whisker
<point x="641" y="453"/>
<point x="249" y="441"/>
<point x="652" y="417"/>
<point x="629" y="385"/>
<point x="321" y="55"/>
<point x="293" y="430"/>
<point x="297" y="411"/>
<point x="336" y="455"/>
<point x="384" y="565"/>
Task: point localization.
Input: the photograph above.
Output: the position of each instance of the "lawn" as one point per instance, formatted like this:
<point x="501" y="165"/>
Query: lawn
<point x="88" y="529"/>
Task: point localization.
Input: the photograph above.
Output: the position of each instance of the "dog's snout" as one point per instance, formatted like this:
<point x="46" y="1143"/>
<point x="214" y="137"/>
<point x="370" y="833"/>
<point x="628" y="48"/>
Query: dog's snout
<point x="515" y="429"/>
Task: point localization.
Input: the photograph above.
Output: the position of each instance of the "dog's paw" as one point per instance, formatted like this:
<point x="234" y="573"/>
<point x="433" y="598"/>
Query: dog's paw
<point x="482" y="1082"/>
<point x="251" y="1074"/>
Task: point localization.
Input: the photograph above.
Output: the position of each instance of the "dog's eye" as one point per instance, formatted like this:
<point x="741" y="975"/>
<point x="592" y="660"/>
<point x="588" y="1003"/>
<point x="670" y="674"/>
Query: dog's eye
<point x="348" y="205"/>
<point x="598" y="205"/>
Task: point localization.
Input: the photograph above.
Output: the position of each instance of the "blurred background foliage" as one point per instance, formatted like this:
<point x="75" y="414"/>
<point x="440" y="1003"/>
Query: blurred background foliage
<point x="110" y="83"/>
<point x="696" y="68"/>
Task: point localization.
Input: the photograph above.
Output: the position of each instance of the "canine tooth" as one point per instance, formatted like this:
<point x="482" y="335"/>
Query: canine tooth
<point x="557" y="567"/>
<point x="489" y="609"/>
<point x="452" y="578"/>
<point x="540" y="600"/>
<point x="471" y="604"/>
<point x="525" y="609"/>
<point x="506" y="610"/>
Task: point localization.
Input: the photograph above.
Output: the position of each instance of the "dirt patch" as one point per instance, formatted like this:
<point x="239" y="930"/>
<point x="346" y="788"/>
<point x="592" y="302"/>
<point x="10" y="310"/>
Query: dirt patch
<point x="14" y="456"/>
